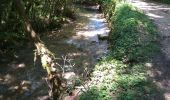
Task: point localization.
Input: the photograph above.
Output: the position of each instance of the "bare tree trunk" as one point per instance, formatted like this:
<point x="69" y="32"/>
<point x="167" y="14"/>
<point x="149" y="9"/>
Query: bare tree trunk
<point x="47" y="58"/>
<point x="29" y="29"/>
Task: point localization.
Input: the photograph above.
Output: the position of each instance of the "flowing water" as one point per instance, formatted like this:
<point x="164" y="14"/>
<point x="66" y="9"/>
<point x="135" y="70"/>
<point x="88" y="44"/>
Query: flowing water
<point x="83" y="41"/>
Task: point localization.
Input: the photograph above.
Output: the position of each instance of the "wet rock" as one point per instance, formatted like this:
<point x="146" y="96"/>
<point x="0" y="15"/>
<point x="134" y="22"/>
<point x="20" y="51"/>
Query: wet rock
<point x="103" y="36"/>
<point x="13" y="88"/>
<point x="43" y="98"/>
<point x="69" y="75"/>
<point x="25" y="83"/>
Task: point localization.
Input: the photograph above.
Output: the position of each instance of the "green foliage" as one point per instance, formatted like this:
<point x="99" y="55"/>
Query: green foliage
<point x="96" y="94"/>
<point x="87" y="2"/>
<point x="131" y="83"/>
<point x="106" y="71"/>
<point x="133" y="87"/>
<point x="163" y="1"/>
<point x="11" y="29"/>
<point x="123" y="73"/>
<point x="112" y="79"/>
<point x="133" y="35"/>
<point x="44" y="15"/>
<point x="108" y="7"/>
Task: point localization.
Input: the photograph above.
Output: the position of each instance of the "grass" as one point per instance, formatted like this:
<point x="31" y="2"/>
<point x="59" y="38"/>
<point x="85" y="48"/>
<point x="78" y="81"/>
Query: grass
<point x="123" y="75"/>
<point x="132" y="34"/>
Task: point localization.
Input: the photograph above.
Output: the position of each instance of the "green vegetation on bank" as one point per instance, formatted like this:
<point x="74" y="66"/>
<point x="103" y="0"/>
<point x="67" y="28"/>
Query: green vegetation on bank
<point x="87" y="2"/>
<point x="163" y="1"/>
<point x="123" y="75"/>
<point x="133" y="35"/>
<point x="43" y="15"/>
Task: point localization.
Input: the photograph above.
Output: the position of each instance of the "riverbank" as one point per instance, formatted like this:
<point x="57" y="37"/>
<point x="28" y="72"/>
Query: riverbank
<point x="123" y="74"/>
<point x="78" y="41"/>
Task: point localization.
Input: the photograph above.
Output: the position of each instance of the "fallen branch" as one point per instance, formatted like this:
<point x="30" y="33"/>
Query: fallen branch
<point x="54" y="76"/>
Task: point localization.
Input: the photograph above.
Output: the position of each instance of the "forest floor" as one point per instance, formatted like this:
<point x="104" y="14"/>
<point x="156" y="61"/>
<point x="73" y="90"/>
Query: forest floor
<point x="160" y="67"/>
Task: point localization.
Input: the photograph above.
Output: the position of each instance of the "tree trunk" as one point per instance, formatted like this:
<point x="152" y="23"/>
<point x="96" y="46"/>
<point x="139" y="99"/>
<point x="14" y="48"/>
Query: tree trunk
<point x="47" y="58"/>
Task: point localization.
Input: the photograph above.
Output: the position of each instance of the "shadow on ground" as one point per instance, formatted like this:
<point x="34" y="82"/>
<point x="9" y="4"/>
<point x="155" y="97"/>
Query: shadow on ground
<point x="160" y="15"/>
<point x="21" y="79"/>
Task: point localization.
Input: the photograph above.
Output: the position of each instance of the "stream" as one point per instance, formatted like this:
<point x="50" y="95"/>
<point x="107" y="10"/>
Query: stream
<point x="83" y="42"/>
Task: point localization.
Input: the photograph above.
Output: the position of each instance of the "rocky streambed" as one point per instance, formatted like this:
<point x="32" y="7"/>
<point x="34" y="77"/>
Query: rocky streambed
<point x="83" y="42"/>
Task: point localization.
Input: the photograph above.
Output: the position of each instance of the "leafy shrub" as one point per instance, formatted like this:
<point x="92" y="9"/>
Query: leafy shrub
<point x="163" y="1"/>
<point x="134" y="87"/>
<point x="132" y="40"/>
<point x="95" y="94"/>
<point x="43" y="15"/>
<point x="108" y="7"/>
<point x="112" y="79"/>
<point x="132" y="36"/>
<point x="87" y="2"/>
<point x="104" y="71"/>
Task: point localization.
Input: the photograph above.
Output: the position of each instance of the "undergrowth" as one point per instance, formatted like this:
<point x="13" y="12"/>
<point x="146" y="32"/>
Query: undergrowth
<point x="133" y="35"/>
<point x="163" y="1"/>
<point x="122" y="75"/>
<point x="43" y="15"/>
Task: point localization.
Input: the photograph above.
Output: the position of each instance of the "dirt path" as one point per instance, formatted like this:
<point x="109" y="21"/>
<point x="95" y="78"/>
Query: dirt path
<point x="160" y="14"/>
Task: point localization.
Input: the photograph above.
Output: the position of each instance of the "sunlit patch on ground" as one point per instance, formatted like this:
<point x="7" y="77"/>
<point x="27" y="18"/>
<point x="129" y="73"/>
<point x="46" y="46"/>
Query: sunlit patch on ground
<point x="78" y="41"/>
<point x="160" y="14"/>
